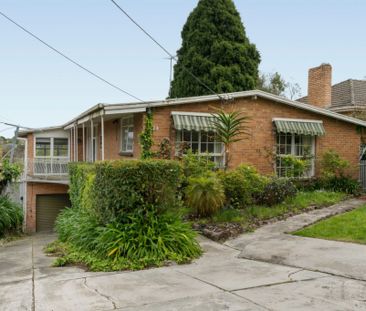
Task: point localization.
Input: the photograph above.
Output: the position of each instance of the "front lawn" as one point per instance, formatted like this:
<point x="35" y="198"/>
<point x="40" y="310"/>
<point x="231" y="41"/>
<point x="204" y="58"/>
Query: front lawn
<point x="348" y="227"/>
<point x="251" y="217"/>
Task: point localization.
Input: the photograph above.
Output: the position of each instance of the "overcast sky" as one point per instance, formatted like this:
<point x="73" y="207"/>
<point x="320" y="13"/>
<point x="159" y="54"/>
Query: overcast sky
<point x="39" y="88"/>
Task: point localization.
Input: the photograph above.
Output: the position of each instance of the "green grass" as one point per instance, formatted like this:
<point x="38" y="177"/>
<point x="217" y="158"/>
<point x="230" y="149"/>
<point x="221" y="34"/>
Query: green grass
<point x="348" y="227"/>
<point x="302" y="201"/>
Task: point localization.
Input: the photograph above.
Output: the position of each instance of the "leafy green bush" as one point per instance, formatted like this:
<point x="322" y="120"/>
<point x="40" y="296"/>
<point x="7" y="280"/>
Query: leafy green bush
<point x="277" y="191"/>
<point x="196" y="165"/>
<point x="242" y="185"/>
<point x="122" y="187"/>
<point x="332" y="165"/>
<point x="79" y="174"/>
<point x="205" y="195"/>
<point x="152" y="236"/>
<point x="8" y="172"/>
<point x="11" y="216"/>
<point x="295" y="167"/>
<point x="342" y="184"/>
<point x="137" y="241"/>
<point x="307" y="184"/>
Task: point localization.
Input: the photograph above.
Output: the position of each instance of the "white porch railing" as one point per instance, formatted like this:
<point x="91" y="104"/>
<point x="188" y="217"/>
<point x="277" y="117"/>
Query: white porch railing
<point x="48" y="166"/>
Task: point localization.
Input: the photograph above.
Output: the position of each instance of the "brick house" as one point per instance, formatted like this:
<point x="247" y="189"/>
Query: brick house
<point x="277" y="126"/>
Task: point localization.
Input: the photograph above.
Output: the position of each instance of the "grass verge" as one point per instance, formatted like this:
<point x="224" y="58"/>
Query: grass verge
<point x="347" y="227"/>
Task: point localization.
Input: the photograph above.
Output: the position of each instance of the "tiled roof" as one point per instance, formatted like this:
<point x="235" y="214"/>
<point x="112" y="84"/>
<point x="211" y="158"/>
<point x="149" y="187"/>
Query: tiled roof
<point x="347" y="93"/>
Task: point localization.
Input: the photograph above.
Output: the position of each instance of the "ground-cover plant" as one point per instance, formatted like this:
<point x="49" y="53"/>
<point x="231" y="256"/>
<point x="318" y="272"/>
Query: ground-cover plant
<point x="11" y="217"/>
<point x="205" y="195"/>
<point x="348" y="227"/>
<point x="139" y="241"/>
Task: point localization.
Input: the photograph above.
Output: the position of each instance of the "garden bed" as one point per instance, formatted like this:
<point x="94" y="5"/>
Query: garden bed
<point x="229" y="223"/>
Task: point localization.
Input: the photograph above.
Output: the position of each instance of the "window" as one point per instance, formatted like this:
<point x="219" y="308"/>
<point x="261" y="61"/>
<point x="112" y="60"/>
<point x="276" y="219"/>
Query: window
<point x="43" y="147"/>
<point x="300" y="146"/>
<point x="202" y="143"/>
<point x="52" y="147"/>
<point x="127" y="134"/>
<point x="60" y="147"/>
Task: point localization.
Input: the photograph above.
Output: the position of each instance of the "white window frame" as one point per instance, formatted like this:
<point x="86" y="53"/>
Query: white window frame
<point x="51" y="148"/>
<point x="179" y="139"/>
<point x="128" y="126"/>
<point x="311" y="172"/>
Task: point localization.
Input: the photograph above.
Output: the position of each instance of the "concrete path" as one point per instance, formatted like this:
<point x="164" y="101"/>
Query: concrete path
<point x="220" y="280"/>
<point x="271" y="244"/>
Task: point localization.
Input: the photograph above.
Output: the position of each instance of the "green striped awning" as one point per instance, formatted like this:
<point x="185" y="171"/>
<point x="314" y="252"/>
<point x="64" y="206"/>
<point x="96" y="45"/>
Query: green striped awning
<point x="199" y="122"/>
<point x="303" y="127"/>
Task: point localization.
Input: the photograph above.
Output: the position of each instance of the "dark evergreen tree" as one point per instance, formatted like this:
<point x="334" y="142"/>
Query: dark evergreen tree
<point x="215" y="49"/>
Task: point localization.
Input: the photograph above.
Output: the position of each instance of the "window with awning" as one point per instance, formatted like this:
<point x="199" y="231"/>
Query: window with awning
<point x="300" y="127"/>
<point x="195" y="131"/>
<point x="190" y="121"/>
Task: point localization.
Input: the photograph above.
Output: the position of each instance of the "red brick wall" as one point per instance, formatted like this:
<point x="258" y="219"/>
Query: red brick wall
<point x="320" y="86"/>
<point x="340" y="136"/>
<point x="33" y="189"/>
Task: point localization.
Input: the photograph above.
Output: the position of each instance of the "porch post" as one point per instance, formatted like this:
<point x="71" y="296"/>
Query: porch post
<point x="102" y="134"/>
<point x="71" y="143"/>
<point x="76" y="142"/>
<point x="84" y="143"/>
<point x="91" y="138"/>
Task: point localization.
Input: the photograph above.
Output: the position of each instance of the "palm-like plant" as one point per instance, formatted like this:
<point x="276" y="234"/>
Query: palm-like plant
<point x="230" y="127"/>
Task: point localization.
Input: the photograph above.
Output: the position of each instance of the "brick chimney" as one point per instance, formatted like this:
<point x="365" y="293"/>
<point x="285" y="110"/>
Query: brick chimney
<point x="320" y="86"/>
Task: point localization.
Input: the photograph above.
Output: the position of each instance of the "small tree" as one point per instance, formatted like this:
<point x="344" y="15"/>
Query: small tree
<point x="230" y="128"/>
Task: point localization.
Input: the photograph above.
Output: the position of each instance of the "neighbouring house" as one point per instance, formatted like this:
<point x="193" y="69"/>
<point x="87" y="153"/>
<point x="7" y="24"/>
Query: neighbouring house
<point x="277" y="127"/>
<point x="347" y="97"/>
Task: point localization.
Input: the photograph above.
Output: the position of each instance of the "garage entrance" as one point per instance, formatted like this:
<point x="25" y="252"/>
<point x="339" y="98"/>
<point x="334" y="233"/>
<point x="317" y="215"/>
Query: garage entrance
<point x="47" y="209"/>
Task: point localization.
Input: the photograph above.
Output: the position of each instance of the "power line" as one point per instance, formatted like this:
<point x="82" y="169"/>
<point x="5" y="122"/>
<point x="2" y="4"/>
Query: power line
<point x="164" y="49"/>
<point x="69" y="59"/>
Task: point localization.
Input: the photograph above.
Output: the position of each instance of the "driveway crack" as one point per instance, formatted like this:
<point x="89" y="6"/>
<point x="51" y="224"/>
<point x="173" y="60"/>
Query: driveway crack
<point x="100" y="294"/>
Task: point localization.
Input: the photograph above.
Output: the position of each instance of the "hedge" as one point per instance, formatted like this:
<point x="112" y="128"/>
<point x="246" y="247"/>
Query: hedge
<point x="112" y="189"/>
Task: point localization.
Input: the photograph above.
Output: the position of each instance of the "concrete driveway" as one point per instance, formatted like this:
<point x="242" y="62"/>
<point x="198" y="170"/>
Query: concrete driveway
<point x="245" y="274"/>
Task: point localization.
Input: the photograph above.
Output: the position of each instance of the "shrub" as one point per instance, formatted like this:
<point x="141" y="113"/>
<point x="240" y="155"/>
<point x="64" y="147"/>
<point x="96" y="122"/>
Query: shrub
<point x="78" y="227"/>
<point x="8" y="173"/>
<point x="11" y="216"/>
<point x="205" y="195"/>
<point x="295" y="167"/>
<point x="333" y="165"/>
<point x="342" y="184"/>
<point x="137" y="241"/>
<point x="277" y="191"/>
<point x="196" y="165"/>
<point x="122" y="187"/>
<point x="308" y="184"/>
<point x="242" y="185"/>
<point x="150" y="236"/>
<point x="79" y="174"/>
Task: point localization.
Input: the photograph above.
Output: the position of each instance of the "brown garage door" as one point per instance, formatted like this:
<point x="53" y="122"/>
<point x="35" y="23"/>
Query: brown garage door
<point x="47" y="209"/>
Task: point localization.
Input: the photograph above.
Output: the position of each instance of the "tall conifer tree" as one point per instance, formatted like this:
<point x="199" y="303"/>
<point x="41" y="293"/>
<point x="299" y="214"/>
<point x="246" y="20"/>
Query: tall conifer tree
<point x="215" y="49"/>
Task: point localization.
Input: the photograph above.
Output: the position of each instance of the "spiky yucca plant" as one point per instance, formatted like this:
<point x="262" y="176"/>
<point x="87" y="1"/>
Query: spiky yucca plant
<point x="205" y="195"/>
<point x="230" y="127"/>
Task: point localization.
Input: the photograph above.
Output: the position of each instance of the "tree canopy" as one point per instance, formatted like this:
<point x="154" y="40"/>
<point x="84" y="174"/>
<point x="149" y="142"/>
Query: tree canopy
<point x="216" y="50"/>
